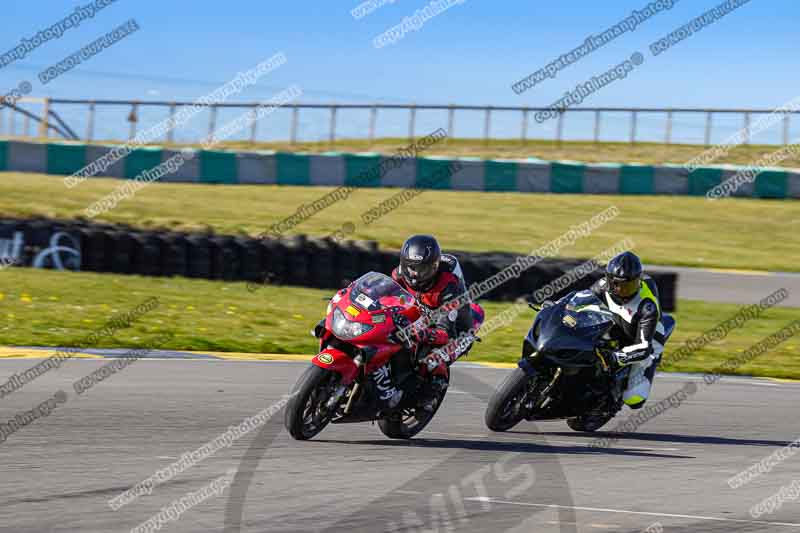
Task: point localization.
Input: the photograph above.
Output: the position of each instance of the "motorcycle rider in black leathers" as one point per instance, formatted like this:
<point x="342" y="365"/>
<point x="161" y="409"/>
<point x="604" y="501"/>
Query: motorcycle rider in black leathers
<point x="633" y="298"/>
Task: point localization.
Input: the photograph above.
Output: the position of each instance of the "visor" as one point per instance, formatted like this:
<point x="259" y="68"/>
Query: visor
<point x="623" y="288"/>
<point x="418" y="274"/>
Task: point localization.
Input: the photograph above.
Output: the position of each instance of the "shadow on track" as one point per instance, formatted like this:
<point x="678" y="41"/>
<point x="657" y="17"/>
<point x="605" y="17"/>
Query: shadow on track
<point x="668" y="438"/>
<point x="506" y="446"/>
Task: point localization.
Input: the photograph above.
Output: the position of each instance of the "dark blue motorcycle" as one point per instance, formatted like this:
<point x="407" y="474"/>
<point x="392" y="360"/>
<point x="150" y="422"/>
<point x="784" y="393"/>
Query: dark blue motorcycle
<point x="566" y="370"/>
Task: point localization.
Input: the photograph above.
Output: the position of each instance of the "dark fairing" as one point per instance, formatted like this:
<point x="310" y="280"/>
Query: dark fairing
<point x="567" y="332"/>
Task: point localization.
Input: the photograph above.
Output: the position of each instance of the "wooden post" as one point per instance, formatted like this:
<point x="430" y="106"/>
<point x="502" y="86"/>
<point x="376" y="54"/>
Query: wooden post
<point x="747" y="128"/>
<point x="254" y="125"/>
<point x="451" y="121"/>
<point x="487" y="125"/>
<point x="560" y="127"/>
<point x="668" y="135"/>
<point x="44" y="125"/>
<point x="90" y="124"/>
<point x="373" y="117"/>
<point x="709" y="118"/>
<point x="332" y="135"/>
<point x="596" y="127"/>
<point x="293" y="129"/>
<point x="412" y="122"/>
<point x="173" y="125"/>
<point x="524" y="133"/>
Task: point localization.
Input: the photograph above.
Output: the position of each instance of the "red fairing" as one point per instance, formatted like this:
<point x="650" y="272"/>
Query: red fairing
<point x="372" y="302"/>
<point x="339" y="362"/>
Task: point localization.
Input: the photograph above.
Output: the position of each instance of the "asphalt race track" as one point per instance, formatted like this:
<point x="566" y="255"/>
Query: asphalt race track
<point x="60" y="471"/>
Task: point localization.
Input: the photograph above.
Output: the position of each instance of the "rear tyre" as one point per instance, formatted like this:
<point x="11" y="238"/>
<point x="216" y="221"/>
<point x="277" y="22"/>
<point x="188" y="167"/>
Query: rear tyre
<point x="407" y="423"/>
<point x="588" y="423"/>
<point x="505" y="406"/>
<point x="307" y="412"/>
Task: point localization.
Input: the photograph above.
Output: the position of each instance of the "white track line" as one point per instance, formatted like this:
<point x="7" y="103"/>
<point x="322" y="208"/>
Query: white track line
<point x="643" y="513"/>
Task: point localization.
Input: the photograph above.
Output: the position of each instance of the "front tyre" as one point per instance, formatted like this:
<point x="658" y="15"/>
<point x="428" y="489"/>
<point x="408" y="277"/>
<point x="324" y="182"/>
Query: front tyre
<point x="505" y="406"/>
<point x="307" y="412"/>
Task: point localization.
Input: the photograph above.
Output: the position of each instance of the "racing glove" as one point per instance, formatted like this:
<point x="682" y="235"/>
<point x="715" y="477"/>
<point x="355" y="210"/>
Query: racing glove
<point x="626" y="358"/>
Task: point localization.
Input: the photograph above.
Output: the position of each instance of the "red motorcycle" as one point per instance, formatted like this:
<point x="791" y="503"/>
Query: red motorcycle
<point x="359" y="336"/>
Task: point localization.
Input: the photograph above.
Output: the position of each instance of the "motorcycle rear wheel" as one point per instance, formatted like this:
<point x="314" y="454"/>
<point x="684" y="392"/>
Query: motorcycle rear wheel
<point x="409" y="422"/>
<point x="587" y="423"/>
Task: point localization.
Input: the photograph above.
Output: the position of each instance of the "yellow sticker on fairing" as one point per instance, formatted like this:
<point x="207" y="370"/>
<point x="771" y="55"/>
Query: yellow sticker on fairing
<point x="569" y="320"/>
<point x="325" y="358"/>
<point x="352" y="311"/>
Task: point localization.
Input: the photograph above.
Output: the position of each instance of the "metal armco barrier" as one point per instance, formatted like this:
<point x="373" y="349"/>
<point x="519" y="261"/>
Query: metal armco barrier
<point x="295" y="260"/>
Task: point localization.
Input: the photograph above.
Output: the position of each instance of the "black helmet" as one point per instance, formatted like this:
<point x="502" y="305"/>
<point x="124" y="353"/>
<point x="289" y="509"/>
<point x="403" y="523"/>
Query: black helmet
<point x="419" y="261"/>
<point x="624" y="276"/>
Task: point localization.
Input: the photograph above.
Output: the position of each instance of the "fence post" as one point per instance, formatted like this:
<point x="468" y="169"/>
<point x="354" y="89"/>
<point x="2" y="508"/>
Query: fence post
<point x="332" y="134"/>
<point x="560" y="126"/>
<point x="597" y="126"/>
<point x="786" y="128"/>
<point x="451" y="117"/>
<point x="487" y="126"/>
<point x="173" y="125"/>
<point x="524" y="133"/>
<point x="634" y="123"/>
<point x="709" y="118"/>
<point x="90" y="125"/>
<point x="747" y="128"/>
<point x="293" y="129"/>
<point x="254" y="125"/>
<point x="133" y="118"/>
<point x="44" y="125"/>
<point x="212" y="123"/>
<point x="373" y="117"/>
<point x="412" y="122"/>
<point x="668" y="135"/>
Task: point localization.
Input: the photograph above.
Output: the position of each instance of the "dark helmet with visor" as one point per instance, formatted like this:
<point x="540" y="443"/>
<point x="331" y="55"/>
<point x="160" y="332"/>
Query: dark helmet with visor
<point x="419" y="261"/>
<point x="624" y="276"/>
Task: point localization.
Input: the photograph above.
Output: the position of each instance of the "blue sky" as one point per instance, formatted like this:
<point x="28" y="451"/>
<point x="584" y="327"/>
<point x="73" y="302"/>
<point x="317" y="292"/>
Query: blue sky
<point x="471" y="53"/>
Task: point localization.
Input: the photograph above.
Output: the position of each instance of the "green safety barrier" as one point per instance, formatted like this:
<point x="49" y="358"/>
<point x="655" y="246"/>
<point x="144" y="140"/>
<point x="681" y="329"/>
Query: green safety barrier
<point x="293" y="169"/>
<point x="65" y="159"/>
<point x="703" y="180"/>
<point x="566" y="178"/>
<point x="500" y="176"/>
<point x="362" y="170"/>
<point x="141" y="160"/>
<point x="771" y="184"/>
<point x="636" y="179"/>
<point x="433" y="173"/>
<point x="218" y="167"/>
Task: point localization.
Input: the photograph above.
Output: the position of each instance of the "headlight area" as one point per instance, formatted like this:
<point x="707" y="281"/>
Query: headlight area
<point x="347" y="329"/>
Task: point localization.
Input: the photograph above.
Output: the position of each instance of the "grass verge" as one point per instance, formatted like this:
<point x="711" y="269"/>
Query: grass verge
<point x="46" y="308"/>
<point x="667" y="230"/>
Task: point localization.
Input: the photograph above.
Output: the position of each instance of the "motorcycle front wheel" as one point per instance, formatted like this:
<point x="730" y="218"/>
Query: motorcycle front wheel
<point x="307" y="412"/>
<point x="505" y="406"/>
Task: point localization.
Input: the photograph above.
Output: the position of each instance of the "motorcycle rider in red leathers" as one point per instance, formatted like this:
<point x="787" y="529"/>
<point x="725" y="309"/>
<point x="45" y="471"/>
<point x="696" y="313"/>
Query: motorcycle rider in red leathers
<point x="433" y="279"/>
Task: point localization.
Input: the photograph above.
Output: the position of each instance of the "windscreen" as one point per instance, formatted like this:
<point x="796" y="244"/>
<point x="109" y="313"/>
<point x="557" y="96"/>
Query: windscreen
<point x="586" y="310"/>
<point x="375" y="290"/>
